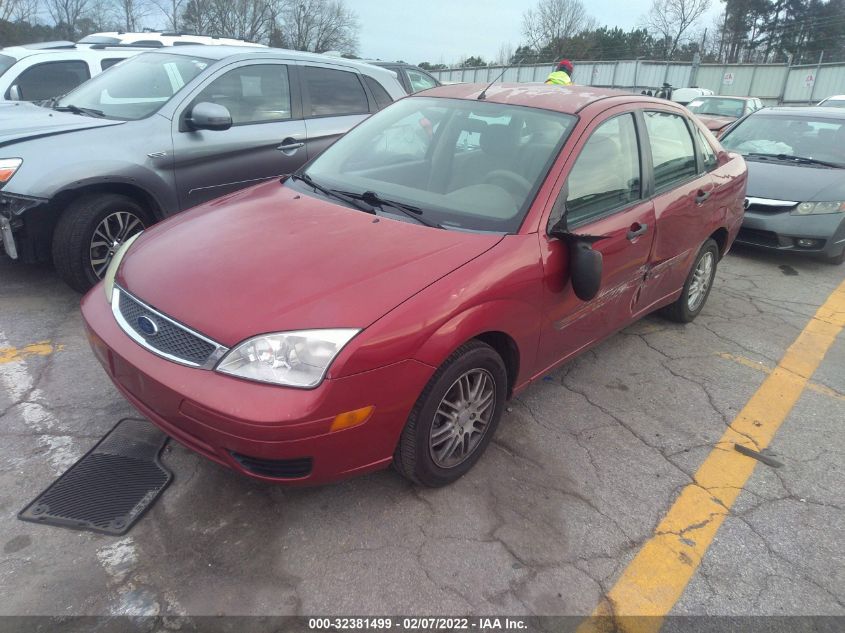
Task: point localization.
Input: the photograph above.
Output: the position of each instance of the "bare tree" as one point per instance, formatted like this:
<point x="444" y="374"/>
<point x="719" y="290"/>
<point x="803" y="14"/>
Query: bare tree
<point x="249" y="20"/>
<point x="551" y="21"/>
<point x="67" y="14"/>
<point x="131" y="14"/>
<point x="172" y="12"/>
<point x="18" y="10"/>
<point x="672" y="20"/>
<point x="503" y="57"/>
<point x="319" y="26"/>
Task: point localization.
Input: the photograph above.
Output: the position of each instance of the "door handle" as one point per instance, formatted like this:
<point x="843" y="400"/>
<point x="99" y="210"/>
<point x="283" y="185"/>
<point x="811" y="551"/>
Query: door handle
<point x="701" y="196"/>
<point x="290" y="145"/>
<point x="636" y="230"/>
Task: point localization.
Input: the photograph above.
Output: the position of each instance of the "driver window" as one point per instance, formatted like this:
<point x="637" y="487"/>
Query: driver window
<point x="252" y="94"/>
<point x="606" y="175"/>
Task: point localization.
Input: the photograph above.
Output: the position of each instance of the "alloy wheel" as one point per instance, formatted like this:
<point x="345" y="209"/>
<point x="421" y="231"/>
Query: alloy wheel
<point x="462" y="418"/>
<point x="111" y="232"/>
<point x="701" y="279"/>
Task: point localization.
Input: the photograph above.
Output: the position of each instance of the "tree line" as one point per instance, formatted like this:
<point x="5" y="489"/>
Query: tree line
<point x="308" y="25"/>
<point x="746" y="31"/>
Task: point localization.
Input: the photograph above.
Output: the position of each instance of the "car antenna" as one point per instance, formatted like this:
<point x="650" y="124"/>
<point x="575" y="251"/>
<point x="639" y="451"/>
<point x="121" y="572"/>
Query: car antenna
<point x="483" y="94"/>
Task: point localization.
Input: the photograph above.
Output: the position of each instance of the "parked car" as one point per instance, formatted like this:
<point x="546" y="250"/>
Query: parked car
<point x="718" y="112"/>
<point x="412" y="78"/>
<point x="796" y="179"/>
<point x="162" y="132"/>
<point x="381" y="304"/>
<point x="836" y="101"/>
<point x="686" y="95"/>
<point x="37" y="72"/>
<point x="161" y="38"/>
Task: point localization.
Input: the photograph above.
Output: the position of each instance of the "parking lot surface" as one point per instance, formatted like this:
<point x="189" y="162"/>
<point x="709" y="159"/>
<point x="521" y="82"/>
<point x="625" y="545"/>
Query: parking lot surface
<point x="585" y="466"/>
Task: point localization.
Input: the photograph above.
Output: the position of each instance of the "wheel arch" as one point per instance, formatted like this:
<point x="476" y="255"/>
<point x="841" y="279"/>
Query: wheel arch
<point x="130" y="190"/>
<point x="720" y="236"/>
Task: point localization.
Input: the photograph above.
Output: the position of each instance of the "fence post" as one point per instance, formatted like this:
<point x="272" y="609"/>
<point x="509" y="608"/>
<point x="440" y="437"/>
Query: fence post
<point x="693" y="73"/>
<point x="613" y="78"/>
<point x="785" y="78"/>
<point x="816" y="80"/>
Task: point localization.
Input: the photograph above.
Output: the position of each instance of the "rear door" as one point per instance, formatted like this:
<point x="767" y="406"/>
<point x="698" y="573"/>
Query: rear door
<point x="603" y="196"/>
<point x="683" y="200"/>
<point x="266" y="140"/>
<point x="334" y="101"/>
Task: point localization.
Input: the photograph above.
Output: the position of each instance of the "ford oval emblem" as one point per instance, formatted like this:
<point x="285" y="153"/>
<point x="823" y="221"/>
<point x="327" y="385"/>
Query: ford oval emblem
<point x="746" y="204"/>
<point x="147" y="326"/>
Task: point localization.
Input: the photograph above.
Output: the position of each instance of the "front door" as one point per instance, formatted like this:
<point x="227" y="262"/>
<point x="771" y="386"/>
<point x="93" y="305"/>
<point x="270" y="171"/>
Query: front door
<point x="602" y="197"/>
<point x="266" y="140"/>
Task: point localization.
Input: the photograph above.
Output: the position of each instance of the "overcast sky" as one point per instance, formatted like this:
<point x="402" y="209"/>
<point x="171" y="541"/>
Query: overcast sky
<point x="449" y="30"/>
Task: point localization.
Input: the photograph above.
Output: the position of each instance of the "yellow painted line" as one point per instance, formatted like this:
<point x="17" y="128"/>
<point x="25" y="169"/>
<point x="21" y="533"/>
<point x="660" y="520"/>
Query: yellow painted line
<point x="42" y="348"/>
<point x="753" y="364"/>
<point x="657" y="576"/>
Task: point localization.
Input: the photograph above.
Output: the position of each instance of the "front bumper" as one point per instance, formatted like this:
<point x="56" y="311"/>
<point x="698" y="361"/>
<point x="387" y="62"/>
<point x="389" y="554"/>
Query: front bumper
<point x="239" y="424"/>
<point x="780" y="230"/>
<point x="26" y="225"/>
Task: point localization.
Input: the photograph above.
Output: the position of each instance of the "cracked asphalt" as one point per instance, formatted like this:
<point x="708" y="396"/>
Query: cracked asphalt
<point x="584" y="466"/>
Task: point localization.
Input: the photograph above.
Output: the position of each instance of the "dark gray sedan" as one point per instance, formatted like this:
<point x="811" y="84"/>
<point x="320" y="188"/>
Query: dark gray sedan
<point x="796" y="180"/>
<point x="162" y="132"/>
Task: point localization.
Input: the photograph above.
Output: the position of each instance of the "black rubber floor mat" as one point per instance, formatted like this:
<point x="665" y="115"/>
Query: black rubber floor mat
<point x="109" y="489"/>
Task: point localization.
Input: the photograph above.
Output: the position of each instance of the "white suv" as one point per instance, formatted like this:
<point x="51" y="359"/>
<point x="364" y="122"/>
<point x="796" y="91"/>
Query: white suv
<point x="153" y="39"/>
<point x="37" y="72"/>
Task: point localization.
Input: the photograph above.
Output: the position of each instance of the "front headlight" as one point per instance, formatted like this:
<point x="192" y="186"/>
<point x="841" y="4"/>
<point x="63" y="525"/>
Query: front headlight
<point x="818" y="208"/>
<point x="294" y="359"/>
<point x="8" y="167"/>
<point x="114" y="264"/>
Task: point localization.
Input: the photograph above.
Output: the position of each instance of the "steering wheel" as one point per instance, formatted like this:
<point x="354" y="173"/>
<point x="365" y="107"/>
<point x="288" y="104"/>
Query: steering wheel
<point x="514" y="183"/>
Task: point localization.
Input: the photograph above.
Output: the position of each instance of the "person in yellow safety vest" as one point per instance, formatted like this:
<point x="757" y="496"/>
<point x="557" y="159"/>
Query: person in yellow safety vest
<point x="562" y="75"/>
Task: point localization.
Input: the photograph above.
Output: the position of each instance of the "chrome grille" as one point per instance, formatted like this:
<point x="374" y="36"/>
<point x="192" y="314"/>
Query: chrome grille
<point x="165" y="336"/>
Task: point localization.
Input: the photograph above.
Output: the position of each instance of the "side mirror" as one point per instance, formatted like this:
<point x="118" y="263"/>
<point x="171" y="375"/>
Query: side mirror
<point x="209" y="116"/>
<point x="585" y="263"/>
<point x="15" y="93"/>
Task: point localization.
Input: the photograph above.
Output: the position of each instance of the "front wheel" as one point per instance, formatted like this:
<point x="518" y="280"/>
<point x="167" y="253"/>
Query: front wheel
<point x="89" y="232"/>
<point x="835" y="260"/>
<point x="697" y="286"/>
<point x="454" y="418"/>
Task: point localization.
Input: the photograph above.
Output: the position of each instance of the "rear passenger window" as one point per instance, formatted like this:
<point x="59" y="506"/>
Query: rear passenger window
<point x="252" y="94"/>
<point x="671" y="149"/>
<point x="606" y="175"/>
<point x="382" y="98"/>
<point x="708" y="156"/>
<point x="334" y="92"/>
<point x="51" y="79"/>
<point x="420" y="81"/>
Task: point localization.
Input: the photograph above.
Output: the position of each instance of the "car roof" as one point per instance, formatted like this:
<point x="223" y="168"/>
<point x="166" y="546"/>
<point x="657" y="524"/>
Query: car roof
<point x="224" y="51"/>
<point x="566" y="99"/>
<point x="810" y="112"/>
<point x="726" y="97"/>
<point x="69" y="52"/>
<point x="835" y="98"/>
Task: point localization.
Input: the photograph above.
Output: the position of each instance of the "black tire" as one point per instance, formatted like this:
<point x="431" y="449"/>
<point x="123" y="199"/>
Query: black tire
<point x="413" y="458"/>
<point x="72" y="238"/>
<point x="680" y="311"/>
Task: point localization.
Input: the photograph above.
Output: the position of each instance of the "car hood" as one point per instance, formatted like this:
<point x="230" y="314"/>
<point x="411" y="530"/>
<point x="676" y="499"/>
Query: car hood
<point x="20" y="121"/>
<point x="799" y="183"/>
<point x="715" y="123"/>
<point x="268" y="259"/>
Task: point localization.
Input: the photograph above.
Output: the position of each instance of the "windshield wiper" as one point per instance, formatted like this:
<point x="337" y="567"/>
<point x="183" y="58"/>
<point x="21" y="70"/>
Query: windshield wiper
<point x="339" y="195"/>
<point x="372" y="198"/>
<point x="804" y="160"/>
<point x="80" y="110"/>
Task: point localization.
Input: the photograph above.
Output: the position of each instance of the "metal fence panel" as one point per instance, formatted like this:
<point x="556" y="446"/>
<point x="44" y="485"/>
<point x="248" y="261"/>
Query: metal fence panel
<point x="771" y="82"/>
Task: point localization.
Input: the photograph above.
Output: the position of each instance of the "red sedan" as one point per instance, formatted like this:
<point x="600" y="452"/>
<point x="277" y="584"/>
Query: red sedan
<point x="381" y="305"/>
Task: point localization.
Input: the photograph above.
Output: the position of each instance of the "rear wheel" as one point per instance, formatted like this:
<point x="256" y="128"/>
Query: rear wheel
<point x="89" y="232"/>
<point x="697" y="286"/>
<point x="454" y="418"/>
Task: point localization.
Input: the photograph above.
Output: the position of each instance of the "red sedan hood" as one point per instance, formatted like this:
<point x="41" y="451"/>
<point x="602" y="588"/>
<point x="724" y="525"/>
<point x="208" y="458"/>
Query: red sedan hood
<point x="268" y="260"/>
<point x="715" y="123"/>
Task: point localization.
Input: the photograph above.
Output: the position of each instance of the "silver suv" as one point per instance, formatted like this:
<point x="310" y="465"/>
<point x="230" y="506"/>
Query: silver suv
<point x="162" y="132"/>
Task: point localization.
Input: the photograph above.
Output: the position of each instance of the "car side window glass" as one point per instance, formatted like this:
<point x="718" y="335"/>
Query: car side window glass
<point x="334" y="92"/>
<point x="108" y="63"/>
<point x="51" y="79"/>
<point x="672" y="150"/>
<point x="252" y="94"/>
<point x="382" y="98"/>
<point x="606" y="174"/>
<point x="420" y="81"/>
<point x="708" y="156"/>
